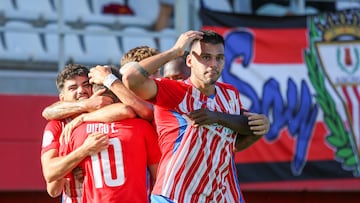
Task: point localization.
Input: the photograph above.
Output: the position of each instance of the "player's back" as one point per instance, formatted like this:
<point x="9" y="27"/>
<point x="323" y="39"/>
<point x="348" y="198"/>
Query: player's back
<point x="119" y="172"/>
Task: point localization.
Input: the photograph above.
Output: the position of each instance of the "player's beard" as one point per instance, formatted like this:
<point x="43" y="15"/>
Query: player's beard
<point x="212" y="78"/>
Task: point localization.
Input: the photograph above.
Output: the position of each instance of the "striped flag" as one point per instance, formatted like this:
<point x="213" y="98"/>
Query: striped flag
<point x="302" y="72"/>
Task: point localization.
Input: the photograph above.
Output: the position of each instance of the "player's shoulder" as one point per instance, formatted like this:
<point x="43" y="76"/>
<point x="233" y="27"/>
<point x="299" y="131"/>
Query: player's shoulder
<point x="54" y="124"/>
<point x="138" y="125"/>
<point x="133" y="121"/>
<point x="167" y="82"/>
<point x="226" y="85"/>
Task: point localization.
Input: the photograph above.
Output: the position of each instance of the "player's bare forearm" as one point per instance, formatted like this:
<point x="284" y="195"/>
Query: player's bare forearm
<point x="110" y="113"/>
<point x="244" y="141"/>
<point x="61" y="110"/>
<point x="141" y="107"/>
<point x="238" y="123"/>
<point x="259" y="126"/>
<point x="66" y="109"/>
<point x="55" y="188"/>
<point x="57" y="167"/>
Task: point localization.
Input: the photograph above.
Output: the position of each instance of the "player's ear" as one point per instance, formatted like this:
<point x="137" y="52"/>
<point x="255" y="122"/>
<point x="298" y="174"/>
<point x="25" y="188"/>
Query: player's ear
<point x="61" y="97"/>
<point x="188" y="61"/>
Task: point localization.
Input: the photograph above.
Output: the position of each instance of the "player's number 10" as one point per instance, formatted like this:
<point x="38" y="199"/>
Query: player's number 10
<point x="119" y="176"/>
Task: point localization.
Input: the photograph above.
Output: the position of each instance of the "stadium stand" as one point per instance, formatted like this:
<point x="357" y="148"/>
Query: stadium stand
<point x="85" y="28"/>
<point x="38" y="36"/>
<point x="6" y="10"/>
<point x="34" y="12"/>
<point x="217" y="5"/>
<point x="128" y="12"/>
<point x="134" y="36"/>
<point x="71" y="43"/>
<point x="21" y="45"/>
<point x="167" y="39"/>
<point x="84" y="14"/>
<point x="100" y="46"/>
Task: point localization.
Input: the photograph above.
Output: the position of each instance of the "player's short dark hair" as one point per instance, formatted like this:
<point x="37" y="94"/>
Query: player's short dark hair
<point x="210" y="37"/>
<point x="69" y="72"/>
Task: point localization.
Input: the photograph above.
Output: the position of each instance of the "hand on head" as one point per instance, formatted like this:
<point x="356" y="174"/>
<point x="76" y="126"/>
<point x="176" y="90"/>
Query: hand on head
<point x="185" y="39"/>
<point x="98" y="73"/>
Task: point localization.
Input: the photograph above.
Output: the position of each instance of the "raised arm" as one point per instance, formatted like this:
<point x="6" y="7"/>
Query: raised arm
<point x="142" y="108"/>
<point x="136" y="76"/>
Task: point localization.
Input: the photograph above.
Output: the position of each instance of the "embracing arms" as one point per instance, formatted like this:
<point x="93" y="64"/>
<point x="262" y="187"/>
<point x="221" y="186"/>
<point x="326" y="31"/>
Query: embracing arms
<point x="250" y="127"/>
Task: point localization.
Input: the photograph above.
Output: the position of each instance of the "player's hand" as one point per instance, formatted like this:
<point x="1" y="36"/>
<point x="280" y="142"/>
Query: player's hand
<point x="98" y="73"/>
<point x="259" y="123"/>
<point x="95" y="143"/>
<point x="96" y="101"/>
<point x="185" y="39"/>
<point x="69" y="127"/>
<point x="203" y="117"/>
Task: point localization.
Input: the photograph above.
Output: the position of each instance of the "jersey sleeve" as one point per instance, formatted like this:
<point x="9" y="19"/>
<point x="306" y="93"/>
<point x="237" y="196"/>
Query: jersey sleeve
<point x="233" y="95"/>
<point x="170" y="92"/>
<point x="51" y="136"/>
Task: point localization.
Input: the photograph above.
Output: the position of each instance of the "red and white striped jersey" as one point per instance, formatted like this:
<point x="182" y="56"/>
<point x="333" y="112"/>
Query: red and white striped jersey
<point x="197" y="163"/>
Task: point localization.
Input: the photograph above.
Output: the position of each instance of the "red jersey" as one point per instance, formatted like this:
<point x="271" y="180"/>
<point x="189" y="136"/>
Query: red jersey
<point x="50" y="141"/>
<point x="197" y="163"/>
<point x="119" y="172"/>
<point x="51" y="135"/>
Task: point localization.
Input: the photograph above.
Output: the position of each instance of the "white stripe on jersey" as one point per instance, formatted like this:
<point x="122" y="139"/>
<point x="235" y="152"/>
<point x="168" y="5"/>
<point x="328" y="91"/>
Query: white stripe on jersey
<point x="206" y="152"/>
<point x="171" y="167"/>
